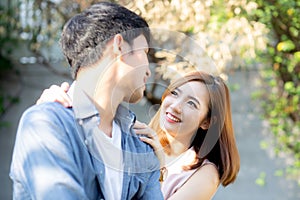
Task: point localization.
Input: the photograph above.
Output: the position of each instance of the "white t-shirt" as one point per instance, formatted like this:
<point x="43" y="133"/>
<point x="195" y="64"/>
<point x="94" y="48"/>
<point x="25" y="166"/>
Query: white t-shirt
<point x="111" y="152"/>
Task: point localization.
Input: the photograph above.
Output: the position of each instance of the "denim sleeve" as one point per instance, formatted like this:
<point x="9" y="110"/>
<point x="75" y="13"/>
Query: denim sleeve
<point x="43" y="164"/>
<point x="153" y="190"/>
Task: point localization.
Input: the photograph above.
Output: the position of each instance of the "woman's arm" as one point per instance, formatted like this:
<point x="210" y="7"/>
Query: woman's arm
<point x="202" y="185"/>
<point x="56" y="94"/>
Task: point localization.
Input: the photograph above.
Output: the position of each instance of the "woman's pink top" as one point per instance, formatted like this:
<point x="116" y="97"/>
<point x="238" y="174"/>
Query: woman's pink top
<point x="175" y="176"/>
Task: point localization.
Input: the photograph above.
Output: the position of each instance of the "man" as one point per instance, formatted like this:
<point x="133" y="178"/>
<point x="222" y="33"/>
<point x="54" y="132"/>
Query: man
<point x="90" y="151"/>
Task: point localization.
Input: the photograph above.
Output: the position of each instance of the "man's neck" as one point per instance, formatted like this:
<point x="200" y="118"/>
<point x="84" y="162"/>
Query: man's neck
<point x="107" y="103"/>
<point x="102" y="87"/>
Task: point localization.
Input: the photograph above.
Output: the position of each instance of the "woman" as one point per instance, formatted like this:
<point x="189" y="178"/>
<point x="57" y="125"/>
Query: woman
<point x="194" y="129"/>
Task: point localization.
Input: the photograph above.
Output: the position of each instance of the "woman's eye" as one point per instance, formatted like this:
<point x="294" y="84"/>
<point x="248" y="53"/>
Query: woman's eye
<point x="192" y="104"/>
<point x="174" y="93"/>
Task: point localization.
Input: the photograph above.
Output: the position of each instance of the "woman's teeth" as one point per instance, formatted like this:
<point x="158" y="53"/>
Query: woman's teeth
<point x="175" y="119"/>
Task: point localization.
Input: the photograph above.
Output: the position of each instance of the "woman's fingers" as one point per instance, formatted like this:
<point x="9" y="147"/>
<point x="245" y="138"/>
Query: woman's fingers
<point x="157" y="149"/>
<point x="42" y="97"/>
<point x="150" y="137"/>
<point x="47" y="95"/>
<point x="65" y="86"/>
<point x="56" y="94"/>
<point x="146" y="132"/>
<point x="155" y="144"/>
<point x="139" y="125"/>
<point x="63" y="97"/>
<point x="148" y="141"/>
<point x="143" y="129"/>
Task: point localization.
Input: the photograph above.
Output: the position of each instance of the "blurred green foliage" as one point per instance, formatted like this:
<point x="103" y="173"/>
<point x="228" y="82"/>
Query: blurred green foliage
<point x="282" y="93"/>
<point x="6" y="17"/>
<point x="9" y="38"/>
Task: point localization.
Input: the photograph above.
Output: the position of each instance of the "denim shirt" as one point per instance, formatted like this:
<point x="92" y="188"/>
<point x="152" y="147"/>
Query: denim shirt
<point x="54" y="155"/>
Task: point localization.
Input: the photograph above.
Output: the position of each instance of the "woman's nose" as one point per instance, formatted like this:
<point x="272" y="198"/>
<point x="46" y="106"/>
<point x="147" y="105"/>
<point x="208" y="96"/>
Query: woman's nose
<point x="176" y="106"/>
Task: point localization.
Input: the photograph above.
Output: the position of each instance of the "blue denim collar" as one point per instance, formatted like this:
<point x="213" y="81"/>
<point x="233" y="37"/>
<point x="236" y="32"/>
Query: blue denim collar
<point x="84" y="108"/>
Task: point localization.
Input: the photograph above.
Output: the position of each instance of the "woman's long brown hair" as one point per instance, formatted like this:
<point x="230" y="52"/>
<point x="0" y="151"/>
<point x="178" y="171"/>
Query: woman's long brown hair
<point x="217" y="143"/>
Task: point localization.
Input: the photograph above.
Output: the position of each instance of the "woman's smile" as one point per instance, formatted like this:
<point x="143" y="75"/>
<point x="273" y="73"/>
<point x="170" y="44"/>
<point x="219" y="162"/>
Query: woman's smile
<point x="172" y="118"/>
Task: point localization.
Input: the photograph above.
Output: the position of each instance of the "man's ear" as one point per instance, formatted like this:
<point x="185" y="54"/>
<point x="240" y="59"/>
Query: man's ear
<point x="117" y="43"/>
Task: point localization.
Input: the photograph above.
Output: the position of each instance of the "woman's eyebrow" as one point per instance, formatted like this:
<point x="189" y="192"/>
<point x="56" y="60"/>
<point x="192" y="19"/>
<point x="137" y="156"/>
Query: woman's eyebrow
<point x="189" y="96"/>
<point x="195" y="99"/>
<point x="178" y="89"/>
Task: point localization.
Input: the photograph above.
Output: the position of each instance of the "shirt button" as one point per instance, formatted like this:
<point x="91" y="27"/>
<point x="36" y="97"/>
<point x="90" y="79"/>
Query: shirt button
<point x="80" y="122"/>
<point x="86" y="142"/>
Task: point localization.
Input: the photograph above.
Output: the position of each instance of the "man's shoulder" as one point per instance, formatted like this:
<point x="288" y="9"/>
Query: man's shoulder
<point x="47" y="120"/>
<point x="136" y="144"/>
<point x="46" y="111"/>
<point x="141" y="155"/>
<point x="47" y="108"/>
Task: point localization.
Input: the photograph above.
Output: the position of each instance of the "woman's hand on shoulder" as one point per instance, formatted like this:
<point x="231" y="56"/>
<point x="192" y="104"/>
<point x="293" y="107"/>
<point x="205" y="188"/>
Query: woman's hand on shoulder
<point x="56" y="94"/>
<point x="150" y="137"/>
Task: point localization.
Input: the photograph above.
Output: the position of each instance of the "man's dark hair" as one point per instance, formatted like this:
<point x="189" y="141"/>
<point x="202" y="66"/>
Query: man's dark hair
<point x="85" y="35"/>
